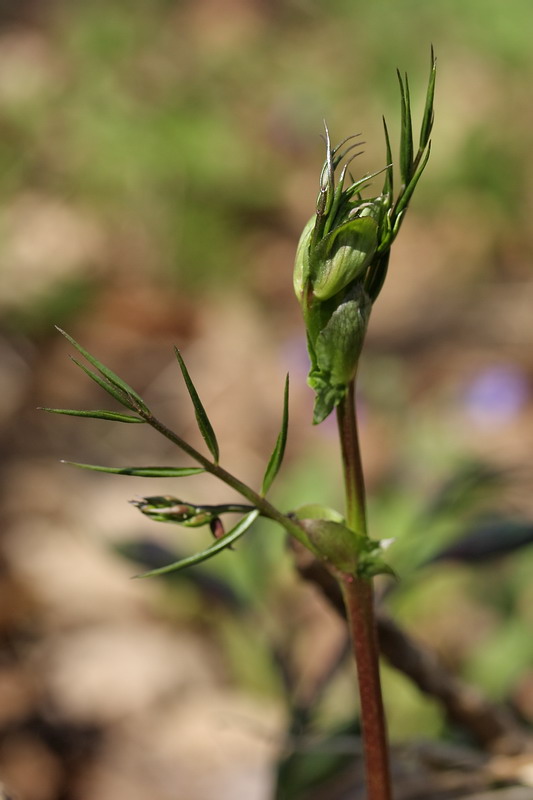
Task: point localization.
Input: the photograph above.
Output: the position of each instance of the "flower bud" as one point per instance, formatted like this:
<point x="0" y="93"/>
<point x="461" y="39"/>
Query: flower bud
<point x="343" y="254"/>
<point x="329" y="283"/>
<point x="169" y="509"/>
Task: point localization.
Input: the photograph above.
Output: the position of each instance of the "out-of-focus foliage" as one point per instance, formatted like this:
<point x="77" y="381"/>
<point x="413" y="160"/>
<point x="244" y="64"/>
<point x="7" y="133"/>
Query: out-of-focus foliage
<point x="158" y="159"/>
<point x="171" y="139"/>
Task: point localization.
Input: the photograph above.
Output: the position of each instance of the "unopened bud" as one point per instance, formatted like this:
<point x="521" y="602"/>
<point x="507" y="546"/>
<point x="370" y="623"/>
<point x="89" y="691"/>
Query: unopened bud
<point x="343" y="254"/>
<point x="169" y="509"/>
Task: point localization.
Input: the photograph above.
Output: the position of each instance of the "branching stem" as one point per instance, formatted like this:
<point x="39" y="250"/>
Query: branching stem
<point x="357" y="590"/>
<point x="258" y="501"/>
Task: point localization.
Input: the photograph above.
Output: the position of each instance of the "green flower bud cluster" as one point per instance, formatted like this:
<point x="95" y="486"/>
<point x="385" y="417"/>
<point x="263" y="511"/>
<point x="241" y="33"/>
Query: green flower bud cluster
<point x="343" y="253"/>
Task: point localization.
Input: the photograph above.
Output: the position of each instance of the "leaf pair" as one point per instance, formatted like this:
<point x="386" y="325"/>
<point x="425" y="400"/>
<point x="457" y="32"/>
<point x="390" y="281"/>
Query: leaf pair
<point x="112" y="384"/>
<point x="108" y="380"/>
<point x="128" y="397"/>
<point x="112" y="416"/>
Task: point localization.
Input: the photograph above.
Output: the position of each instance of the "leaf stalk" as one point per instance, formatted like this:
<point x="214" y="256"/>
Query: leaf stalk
<point x="258" y="501"/>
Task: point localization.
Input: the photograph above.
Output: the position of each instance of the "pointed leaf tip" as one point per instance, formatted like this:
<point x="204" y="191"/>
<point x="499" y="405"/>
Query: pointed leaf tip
<point x="427" y="120"/>
<point x="204" y="425"/>
<point x="409" y="189"/>
<point x="388" y="186"/>
<point x="112" y="390"/>
<point x="406" y="134"/>
<point x="107" y="373"/>
<point x="140" y="472"/>
<point x="112" y="416"/>
<point x="276" y="458"/>
<point x="221" y="544"/>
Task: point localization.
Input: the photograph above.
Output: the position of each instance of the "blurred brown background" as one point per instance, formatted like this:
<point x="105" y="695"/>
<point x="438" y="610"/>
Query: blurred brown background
<point x="158" y="160"/>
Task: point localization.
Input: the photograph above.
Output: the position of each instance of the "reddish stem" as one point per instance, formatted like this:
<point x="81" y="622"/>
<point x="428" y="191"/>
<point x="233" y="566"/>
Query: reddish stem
<point x="359" y="600"/>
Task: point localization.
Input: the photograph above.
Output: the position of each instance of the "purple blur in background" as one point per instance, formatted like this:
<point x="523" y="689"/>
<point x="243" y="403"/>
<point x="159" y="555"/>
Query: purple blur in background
<point x="496" y="395"/>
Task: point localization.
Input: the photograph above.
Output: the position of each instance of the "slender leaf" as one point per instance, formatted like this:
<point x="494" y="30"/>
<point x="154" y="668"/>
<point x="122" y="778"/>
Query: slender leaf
<point x="142" y="472"/>
<point x="221" y="544"/>
<point x="118" y="394"/>
<point x="279" y="450"/>
<point x="407" y="194"/>
<point x="105" y="371"/>
<point x="427" y="121"/>
<point x="388" y="186"/>
<point x="206" y="429"/>
<point x="376" y="279"/>
<point x="113" y="416"/>
<point x="406" y="137"/>
<point x="363" y="183"/>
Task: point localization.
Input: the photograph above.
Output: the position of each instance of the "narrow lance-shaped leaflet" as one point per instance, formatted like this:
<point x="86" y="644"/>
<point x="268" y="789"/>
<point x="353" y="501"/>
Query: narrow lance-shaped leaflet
<point x="141" y="472"/>
<point x="111" y="416"/>
<point x="107" y="373"/>
<point x="204" y="425"/>
<point x="276" y="458"/>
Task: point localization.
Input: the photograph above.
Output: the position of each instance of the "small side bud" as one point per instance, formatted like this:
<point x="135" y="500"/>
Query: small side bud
<point x="216" y="526"/>
<point x="169" y="509"/>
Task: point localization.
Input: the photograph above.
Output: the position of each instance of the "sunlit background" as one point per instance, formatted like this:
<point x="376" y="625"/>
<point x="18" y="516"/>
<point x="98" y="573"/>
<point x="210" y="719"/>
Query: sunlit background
<point x="158" y="160"/>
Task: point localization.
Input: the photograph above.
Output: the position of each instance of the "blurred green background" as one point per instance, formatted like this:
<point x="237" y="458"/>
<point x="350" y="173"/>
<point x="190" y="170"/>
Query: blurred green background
<point x="158" y="160"/>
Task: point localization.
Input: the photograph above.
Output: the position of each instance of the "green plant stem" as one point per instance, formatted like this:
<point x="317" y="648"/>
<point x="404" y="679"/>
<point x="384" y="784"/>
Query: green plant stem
<point x="354" y="483"/>
<point x="359" y="600"/>
<point x="258" y="501"/>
